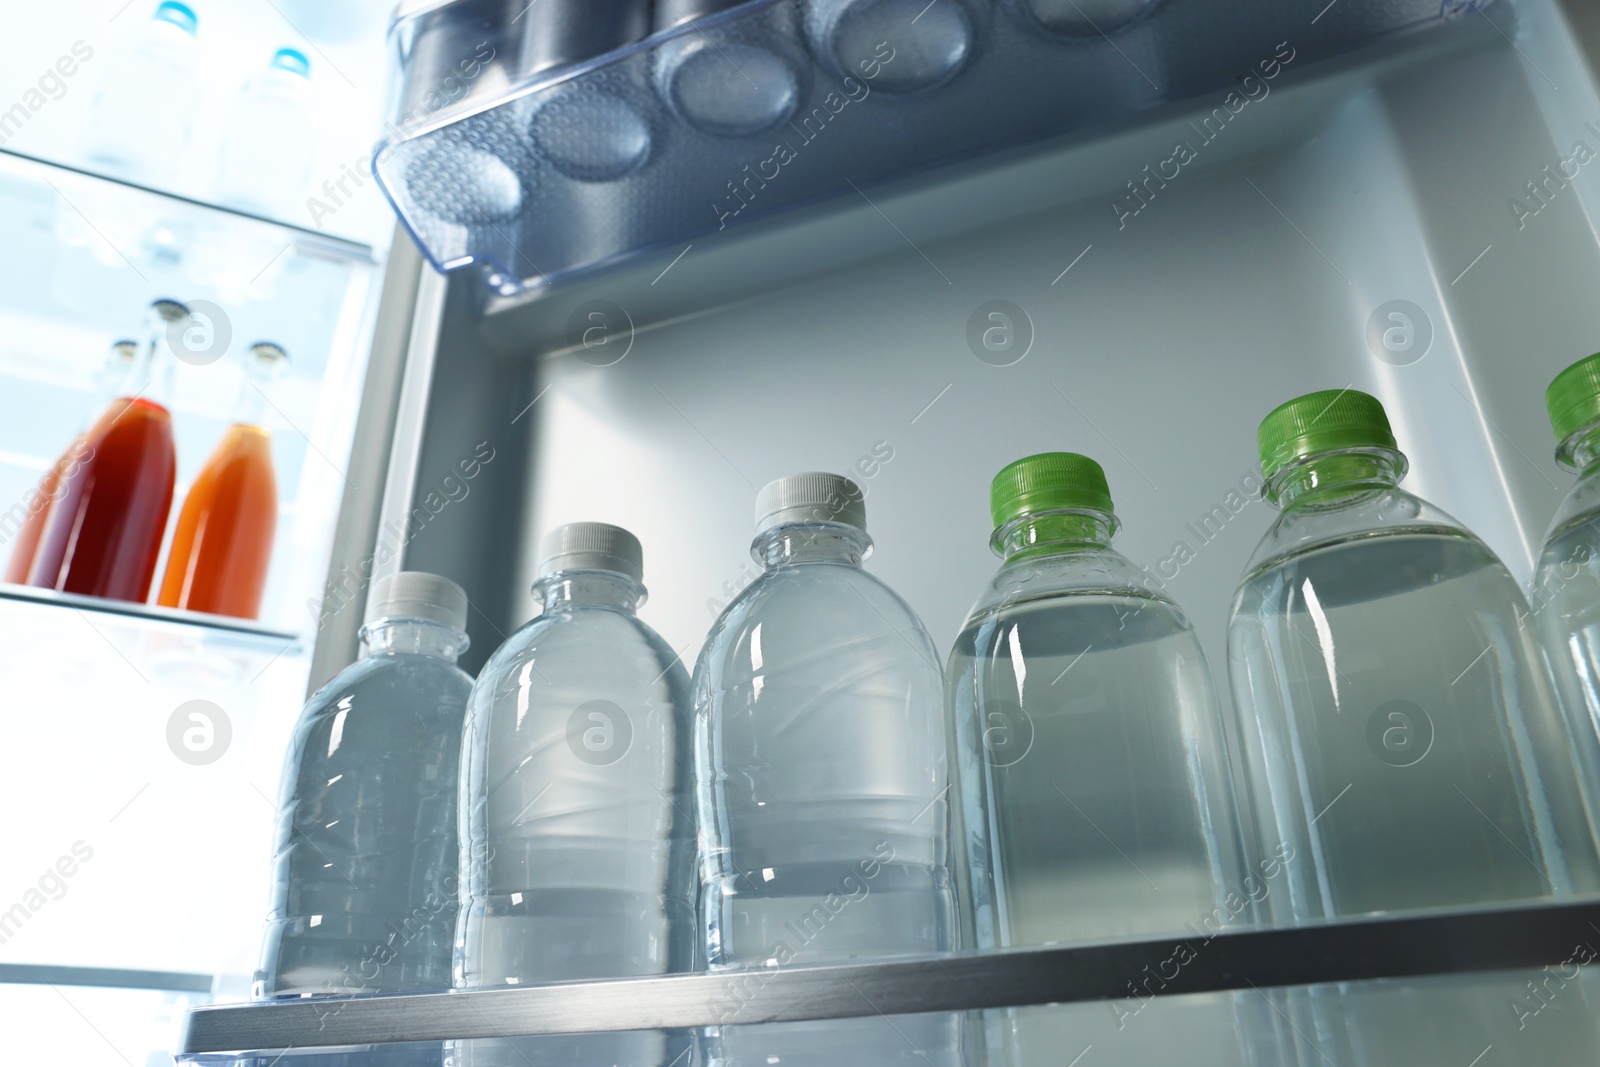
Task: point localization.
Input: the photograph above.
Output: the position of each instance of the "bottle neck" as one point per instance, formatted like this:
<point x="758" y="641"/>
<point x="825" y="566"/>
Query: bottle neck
<point x="387" y="637"/>
<point x="150" y="377"/>
<point x="1335" y="477"/>
<point x="811" y="542"/>
<point x="1581" y="450"/>
<point x="1047" y="533"/>
<point x="607" y="589"/>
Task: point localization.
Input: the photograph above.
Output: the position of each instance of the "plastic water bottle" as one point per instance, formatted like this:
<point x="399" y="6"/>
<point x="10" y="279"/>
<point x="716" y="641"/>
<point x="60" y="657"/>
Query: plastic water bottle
<point x="266" y="158"/>
<point x="365" y="888"/>
<point x="1400" y="729"/>
<point x="1566" y="584"/>
<point x="1093" y="771"/>
<point x="578" y="834"/>
<point x="144" y="109"/>
<point x="821" y="780"/>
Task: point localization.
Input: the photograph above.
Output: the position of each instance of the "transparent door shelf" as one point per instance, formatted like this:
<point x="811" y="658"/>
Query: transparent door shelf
<point x="1346" y="952"/>
<point x="534" y="177"/>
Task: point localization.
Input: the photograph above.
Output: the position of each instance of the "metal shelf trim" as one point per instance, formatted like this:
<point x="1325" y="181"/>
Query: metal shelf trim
<point x="1335" y="952"/>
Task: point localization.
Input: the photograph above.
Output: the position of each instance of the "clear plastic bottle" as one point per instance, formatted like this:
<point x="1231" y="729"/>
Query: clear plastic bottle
<point x="271" y="139"/>
<point x="144" y="109"/>
<point x="1566" y="583"/>
<point x="727" y="81"/>
<point x="900" y="46"/>
<point x="1092" y="765"/>
<point x="820" y="757"/>
<point x="1400" y="728"/>
<point x="365" y="887"/>
<point x="578" y="834"/>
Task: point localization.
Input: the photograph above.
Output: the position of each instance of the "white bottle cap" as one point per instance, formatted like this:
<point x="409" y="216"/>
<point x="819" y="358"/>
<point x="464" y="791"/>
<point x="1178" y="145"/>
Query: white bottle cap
<point x="813" y="496"/>
<point x="592" y="546"/>
<point x="418" y="595"/>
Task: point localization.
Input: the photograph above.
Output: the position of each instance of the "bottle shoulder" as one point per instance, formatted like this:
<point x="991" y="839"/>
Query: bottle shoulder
<point x="1577" y="519"/>
<point x="1305" y="527"/>
<point x="798" y="602"/>
<point x="575" y="635"/>
<point x="391" y="670"/>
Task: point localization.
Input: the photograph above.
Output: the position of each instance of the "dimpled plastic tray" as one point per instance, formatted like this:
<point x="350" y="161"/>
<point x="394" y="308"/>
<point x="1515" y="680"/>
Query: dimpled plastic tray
<point x="772" y="105"/>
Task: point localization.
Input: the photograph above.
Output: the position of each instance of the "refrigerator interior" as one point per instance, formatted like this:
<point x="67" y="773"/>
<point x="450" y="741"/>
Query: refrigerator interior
<point x="1369" y="223"/>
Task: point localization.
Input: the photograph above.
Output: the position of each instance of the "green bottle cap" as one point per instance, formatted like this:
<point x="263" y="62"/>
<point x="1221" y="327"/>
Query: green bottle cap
<point x="1573" y="401"/>
<point x="1050" y="481"/>
<point x="1324" y="421"/>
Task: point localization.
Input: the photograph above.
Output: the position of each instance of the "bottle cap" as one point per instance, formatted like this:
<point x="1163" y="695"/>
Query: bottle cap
<point x="179" y="15"/>
<point x="268" y="352"/>
<point x="418" y="595"/>
<point x="169" y="310"/>
<point x="592" y="546"/>
<point x="1049" y="481"/>
<point x="292" y="60"/>
<point x="813" y="496"/>
<point x="1573" y="401"/>
<point x="1324" y="421"/>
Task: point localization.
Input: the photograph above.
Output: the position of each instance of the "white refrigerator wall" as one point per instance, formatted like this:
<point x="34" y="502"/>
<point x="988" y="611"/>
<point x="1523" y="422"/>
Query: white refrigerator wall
<point x="1159" y="339"/>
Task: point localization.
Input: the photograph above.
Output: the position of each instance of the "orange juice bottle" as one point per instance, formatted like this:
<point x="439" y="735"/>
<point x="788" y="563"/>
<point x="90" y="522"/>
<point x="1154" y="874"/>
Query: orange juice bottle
<point x="103" y="534"/>
<point x="109" y="382"/>
<point x="223" y="542"/>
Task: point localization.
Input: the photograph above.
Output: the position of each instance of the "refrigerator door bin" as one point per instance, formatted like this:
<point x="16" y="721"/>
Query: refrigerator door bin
<point x="535" y="173"/>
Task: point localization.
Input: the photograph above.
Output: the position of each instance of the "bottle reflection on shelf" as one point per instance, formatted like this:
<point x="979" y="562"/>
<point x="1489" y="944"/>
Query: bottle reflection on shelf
<point x="104" y="531"/>
<point x="721" y="83"/>
<point x="222" y="545"/>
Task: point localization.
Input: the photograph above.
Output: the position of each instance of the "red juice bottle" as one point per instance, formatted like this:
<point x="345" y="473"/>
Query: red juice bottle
<point x="223" y="541"/>
<point x="104" y="531"/>
<point x="109" y="384"/>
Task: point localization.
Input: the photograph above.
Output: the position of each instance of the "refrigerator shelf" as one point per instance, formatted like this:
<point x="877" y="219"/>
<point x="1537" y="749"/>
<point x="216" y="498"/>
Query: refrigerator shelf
<point x="270" y="637"/>
<point x="534" y="174"/>
<point x="1434" y="944"/>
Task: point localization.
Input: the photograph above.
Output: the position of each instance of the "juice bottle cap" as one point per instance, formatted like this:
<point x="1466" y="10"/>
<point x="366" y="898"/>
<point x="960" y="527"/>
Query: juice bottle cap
<point x="418" y="595"/>
<point x="812" y="496"/>
<point x="592" y="546"/>
<point x="1049" y="481"/>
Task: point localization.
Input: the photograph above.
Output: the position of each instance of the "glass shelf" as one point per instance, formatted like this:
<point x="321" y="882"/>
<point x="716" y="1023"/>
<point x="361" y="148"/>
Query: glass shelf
<point x="1426" y="946"/>
<point x="271" y="637"/>
<point x="534" y="176"/>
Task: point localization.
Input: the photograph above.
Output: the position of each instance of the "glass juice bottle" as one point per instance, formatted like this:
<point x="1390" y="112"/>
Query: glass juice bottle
<point x="109" y="384"/>
<point x="223" y="541"/>
<point x="1399" y="724"/>
<point x="104" y="532"/>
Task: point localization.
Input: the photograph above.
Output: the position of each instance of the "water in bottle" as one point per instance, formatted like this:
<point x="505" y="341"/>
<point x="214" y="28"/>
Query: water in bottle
<point x="144" y="109"/>
<point x="103" y="535"/>
<point x="271" y="139"/>
<point x="821" y="778"/>
<point x="365" y="889"/>
<point x="1093" y="776"/>
<point x="1566" y="584"/>
<point x="222" y="545"/>
<point x="1400" y="728"/>
<point x="578" y="835"/>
